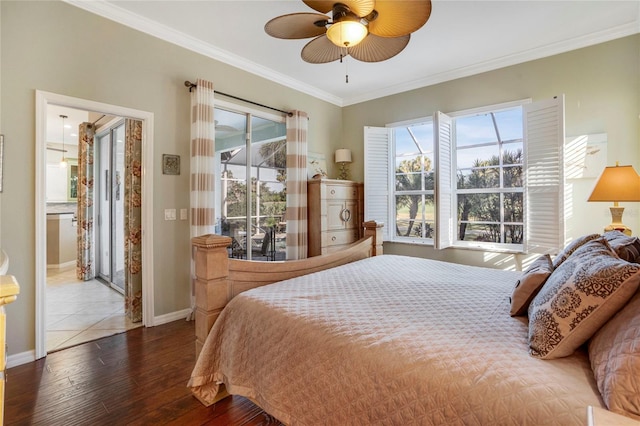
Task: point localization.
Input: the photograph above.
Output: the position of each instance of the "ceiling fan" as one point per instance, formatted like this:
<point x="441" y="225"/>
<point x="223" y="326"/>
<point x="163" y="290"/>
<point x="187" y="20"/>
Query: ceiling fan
<point x="367" y="30"/>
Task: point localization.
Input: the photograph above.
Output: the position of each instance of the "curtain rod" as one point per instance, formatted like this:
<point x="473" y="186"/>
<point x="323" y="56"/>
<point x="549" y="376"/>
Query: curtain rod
<point x="192" y="86"/>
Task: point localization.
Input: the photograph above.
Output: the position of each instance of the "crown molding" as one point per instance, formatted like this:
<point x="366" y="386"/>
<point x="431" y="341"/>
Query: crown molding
<point x="122" y="16"/>
<point x="505" y="61"/>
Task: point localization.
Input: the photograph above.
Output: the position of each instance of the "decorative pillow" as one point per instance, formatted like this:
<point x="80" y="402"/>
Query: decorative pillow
<point x="587" y="289"/>
<point x="530" y="284"/>
<point x="571" y="247"/>
<point x="614" y="352"/>
<point x="628" y="248"/>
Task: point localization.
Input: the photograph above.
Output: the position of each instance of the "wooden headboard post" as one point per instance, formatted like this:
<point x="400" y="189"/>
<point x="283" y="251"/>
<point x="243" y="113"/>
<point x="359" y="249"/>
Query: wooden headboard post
<point x="212" y="270"/>
<point x="374" y="229"/>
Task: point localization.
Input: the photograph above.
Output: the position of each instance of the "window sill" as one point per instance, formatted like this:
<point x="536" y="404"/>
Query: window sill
<point x="505" y="248"/>
<point x="412" y="241"/>
<point x="487" y="247"/>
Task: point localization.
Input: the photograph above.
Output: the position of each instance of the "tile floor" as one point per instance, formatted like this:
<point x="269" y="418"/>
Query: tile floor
<point x="78" y="311"/>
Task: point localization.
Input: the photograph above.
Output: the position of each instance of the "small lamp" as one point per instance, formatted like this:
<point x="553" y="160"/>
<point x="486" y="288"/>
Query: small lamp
<point x="617" y="183"/>
<point x="343" y="157"/>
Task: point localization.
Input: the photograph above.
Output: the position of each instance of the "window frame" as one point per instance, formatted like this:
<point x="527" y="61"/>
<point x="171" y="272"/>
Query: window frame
<point x="394" y="192"/>
<point x="483" y="245"/>
<point x="249" y="114"/>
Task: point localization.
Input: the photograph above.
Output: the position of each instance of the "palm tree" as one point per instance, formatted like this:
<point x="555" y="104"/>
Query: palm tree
<point x="486" y="207"/>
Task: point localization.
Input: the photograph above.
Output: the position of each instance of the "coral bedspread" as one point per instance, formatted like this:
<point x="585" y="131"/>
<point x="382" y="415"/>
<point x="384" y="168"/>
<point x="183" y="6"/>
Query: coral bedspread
<point x="391" y="340"/>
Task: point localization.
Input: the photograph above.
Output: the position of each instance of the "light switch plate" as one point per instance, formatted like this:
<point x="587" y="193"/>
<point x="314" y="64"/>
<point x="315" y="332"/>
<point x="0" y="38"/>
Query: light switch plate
<point x="183" y="214"/>
<point x="169" y="214"/>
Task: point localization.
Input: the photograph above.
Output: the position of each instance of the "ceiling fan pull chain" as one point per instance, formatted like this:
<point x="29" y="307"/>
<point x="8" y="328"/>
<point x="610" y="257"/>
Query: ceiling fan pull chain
<point x="346" y="66"/>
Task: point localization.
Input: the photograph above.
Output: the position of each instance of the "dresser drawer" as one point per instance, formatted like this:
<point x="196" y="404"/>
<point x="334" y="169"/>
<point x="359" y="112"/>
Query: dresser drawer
<point x="341" y="192"/>
<point x="335" y="238"/>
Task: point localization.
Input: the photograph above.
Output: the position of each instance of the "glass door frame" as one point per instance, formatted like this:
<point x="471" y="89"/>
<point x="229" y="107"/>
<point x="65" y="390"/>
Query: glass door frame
<point x="107" y="183"/>
<point x="249" y="114"/>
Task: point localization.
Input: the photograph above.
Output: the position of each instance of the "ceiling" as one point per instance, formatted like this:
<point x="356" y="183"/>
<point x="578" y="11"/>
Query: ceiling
<point x="74" y="117"/>
<point x="461" y="38"/>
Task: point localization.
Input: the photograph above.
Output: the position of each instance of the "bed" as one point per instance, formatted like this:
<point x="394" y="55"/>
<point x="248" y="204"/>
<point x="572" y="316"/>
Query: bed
<point x="400" y="340"/>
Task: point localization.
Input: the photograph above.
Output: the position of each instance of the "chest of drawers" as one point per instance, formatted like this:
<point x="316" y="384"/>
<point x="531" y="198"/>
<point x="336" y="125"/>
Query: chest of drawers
<point x="335" y="214"/>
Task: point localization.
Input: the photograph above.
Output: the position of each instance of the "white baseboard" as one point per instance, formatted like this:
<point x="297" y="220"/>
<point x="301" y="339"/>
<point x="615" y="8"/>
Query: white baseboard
<point x="21" y="358"/>
<point x="172" y="316"/>
<point x="65" y="265"/>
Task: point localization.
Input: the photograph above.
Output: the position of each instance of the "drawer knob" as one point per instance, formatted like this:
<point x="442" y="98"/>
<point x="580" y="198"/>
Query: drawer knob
<point x="333" y="238"/>
<point x="333" y="192"/>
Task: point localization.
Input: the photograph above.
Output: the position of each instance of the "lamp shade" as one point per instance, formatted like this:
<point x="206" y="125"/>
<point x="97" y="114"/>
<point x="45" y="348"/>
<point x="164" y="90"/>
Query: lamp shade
<point x="617" y="183"/>
<point x="343" y="156"/>
<point x="346" y="33"/>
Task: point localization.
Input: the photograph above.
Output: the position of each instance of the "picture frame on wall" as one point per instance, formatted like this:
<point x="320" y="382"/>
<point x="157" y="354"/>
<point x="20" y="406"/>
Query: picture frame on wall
<point x="170" y="164"/>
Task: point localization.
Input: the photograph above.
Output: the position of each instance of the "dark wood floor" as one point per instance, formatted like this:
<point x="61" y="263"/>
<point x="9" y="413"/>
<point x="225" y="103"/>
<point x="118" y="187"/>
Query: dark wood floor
<point x="137" y="378"/>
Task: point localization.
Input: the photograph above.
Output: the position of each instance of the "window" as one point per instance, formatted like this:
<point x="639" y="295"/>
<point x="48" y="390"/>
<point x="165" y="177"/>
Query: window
<point x="488" y="178"/>
<point x="489" y="191"/>
<point x="251" y="149"/>
<point x="414" y="180"/>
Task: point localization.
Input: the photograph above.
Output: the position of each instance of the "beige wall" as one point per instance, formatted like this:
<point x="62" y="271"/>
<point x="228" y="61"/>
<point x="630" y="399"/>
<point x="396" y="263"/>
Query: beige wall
<point x="58" y="48"/>
<point x="602" y="94"/>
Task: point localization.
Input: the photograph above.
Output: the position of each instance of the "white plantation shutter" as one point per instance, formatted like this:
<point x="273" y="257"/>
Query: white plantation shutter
<point x="544" y="177"/>
<point x="377" y="177"/>
<point x="445" y="182"/>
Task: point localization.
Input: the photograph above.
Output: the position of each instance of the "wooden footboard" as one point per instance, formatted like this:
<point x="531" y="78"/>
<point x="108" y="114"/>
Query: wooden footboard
<point x="219" y="279"/>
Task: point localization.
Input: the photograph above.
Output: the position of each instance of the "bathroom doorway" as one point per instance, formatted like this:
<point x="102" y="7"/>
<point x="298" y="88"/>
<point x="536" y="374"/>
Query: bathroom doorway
<point x="81" y="309"/>
<point x="143" y="122"/>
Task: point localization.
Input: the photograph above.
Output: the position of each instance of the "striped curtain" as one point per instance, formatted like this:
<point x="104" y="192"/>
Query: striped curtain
<point x="203" y="151"/>
<point x="85" y="268"/>
<point x="297" y="125"/>
<point x="133" y="220"/>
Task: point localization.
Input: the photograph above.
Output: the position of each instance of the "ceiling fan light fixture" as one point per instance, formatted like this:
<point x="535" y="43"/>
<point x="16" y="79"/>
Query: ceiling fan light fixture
<point x="347" y="33"/>
<point x="63" y="161"/>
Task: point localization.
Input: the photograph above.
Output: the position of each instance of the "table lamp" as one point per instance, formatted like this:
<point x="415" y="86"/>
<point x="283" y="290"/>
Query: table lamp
<point x="617" y="183"/>
<point x="343" y="157"/>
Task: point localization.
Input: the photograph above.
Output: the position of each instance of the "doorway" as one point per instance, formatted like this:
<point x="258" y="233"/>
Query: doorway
<point x="78" y="310"/>
<point x="43" y="101"/>
<point x="110" y="166"/>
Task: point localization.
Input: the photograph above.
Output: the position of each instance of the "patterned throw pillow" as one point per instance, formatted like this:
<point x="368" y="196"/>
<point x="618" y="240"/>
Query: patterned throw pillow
<point x="628" y="248"/>
<point x="571" y="247"/>
<point x="614" y="352"/>
<point x="530" y="284"/>
<point x="587" y="289"/>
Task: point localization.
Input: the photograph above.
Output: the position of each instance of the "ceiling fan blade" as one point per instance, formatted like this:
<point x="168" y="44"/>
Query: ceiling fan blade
<point x="296" y="25"/>
<point x="398" y="18"/>
<point x="376" y="49"/>
<point x="359" y="7"/>
<point x="320" y="50"/>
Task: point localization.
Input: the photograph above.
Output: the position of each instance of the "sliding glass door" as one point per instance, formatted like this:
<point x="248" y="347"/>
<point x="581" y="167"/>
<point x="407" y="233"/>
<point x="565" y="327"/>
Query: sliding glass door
<point x="110" y="167"/>
<point x="252" y="149"/>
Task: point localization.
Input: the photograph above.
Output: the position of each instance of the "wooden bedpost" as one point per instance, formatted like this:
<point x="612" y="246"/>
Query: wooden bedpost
<point x="212" y="270"/>
<point x="374" y="229"/>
